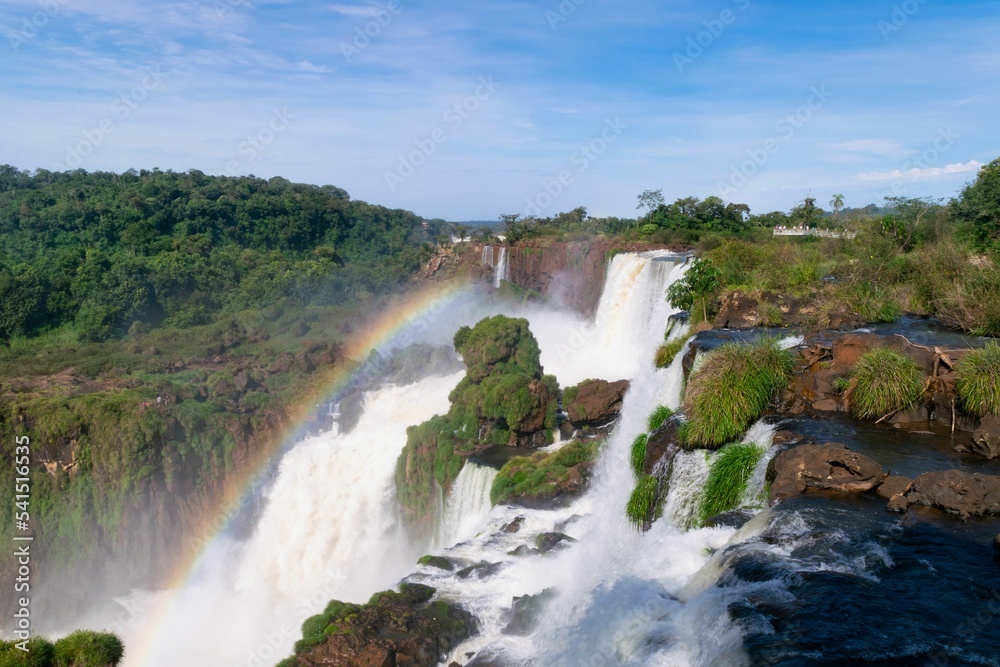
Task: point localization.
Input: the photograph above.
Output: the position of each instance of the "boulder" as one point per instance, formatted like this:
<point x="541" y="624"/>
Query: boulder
<point x="830" y="466"/>
<point x="731" y="519"/>
<point x="894" y="485"/>
<point x="392" y="630"/>
<point x="525" y="611"/>
<point x="439" y="562"/>
<point x="956" y="492"/>
<point x="548" y="541"/>
<point x="513" y="526"/>
<point x="594" y="402"/>
<point x="986" y="439"/>
<point x="737" y="311"/>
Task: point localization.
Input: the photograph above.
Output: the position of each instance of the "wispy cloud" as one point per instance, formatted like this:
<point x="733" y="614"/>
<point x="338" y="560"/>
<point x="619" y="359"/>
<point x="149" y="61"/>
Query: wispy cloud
<point x="917" y="174"/>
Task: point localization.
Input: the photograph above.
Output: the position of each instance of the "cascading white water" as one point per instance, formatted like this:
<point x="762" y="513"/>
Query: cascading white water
<point x="467" y="505"/>
<point x="329" y="531"/>
<point x="502" y="269"/>
<point x="488" y="256"/>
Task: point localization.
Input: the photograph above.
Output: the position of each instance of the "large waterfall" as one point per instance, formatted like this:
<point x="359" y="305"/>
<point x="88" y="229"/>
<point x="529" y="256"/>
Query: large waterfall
<point x="329" y="529"/>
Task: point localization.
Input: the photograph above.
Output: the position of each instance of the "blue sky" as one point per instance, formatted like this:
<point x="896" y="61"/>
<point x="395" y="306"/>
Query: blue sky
<point x="472" y="109"/>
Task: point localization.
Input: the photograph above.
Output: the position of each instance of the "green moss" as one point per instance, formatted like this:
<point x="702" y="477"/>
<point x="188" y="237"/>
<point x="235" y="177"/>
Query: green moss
<point x="661" y="414"/>
<point x="727" y="479"/>
<point x="637" y="456"/>
<point x="979" y="380"/>
<point x="884" y="382"/>
<point x="731" y="390"/>
<point x="642" y="504"/>
<point x="541" y="474"/>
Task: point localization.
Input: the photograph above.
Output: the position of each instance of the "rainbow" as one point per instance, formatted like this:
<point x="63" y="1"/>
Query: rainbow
<point x="395" y="325"/>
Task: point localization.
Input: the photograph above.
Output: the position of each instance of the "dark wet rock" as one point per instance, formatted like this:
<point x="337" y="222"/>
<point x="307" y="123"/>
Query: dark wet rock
<point x="479" y="570"/>
<point x="731" y="519"/>
<point x="525" y="612"/>
<point x="737" y="311"/>
<point x="830" y="466"/>
<point x="523" y="550"/>
<point x="956" y="492"/>
<point x="394" y="629"/>
<point x="986" y="439"/>
<point x="439" y="562"/>
<point x="662" y="445"/>
<point x="563" y="525"/>
<point x="513" y="526"/>
<point x="546" y="542"/>
<point x="894" y="485"/>
<point x="996" y="543"/>
<point x="243" y="382"/>
<point x="897" y="504"/>
<point x="594" y="402"/>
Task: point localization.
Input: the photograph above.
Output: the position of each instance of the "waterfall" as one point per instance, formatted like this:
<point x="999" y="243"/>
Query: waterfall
<point x="329" y="531"/>
<point x="467" y="505"/>
<point x="488" y="256"/>
<point x="502" y="269"/>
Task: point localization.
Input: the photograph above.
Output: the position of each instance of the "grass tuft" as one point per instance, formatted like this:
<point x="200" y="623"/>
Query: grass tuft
<point x="666" y="353"/>
<point x="979" y="381"/>
<point x="641" y="506"/>
<point x="638" y="455"/>
<point x="731" y="390"/>
<point x="885" y="382"/>
<point x="85" y="648"/>
<point x="727" y="479"/>
<point x="659" y="415"/>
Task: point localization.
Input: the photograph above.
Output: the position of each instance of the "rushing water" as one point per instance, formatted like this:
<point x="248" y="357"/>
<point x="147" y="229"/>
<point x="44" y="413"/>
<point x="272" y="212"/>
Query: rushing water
<point x="811" y="581"/>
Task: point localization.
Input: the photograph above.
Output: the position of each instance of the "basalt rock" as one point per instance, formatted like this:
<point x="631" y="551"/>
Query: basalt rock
<point x="830" y="466"/>
<point x="594" y="402"/>
<point x="525" y="612"/>
<point x="894" y="485"/>
<point x="985" y="440"/>
<point x="956" y="492"/>
<point x="392" y="630"/>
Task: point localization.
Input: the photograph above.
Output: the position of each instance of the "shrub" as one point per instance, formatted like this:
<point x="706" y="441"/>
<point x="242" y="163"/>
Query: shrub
<point x="39" y="653"/>
<point x="979" y="380"/>
<point x="727" y="478"/>
<point x="840" y="385"/>
<point x="637" y="455"/>
<point x="85" y="648"/>
<point x="641" y="506"/>
<point x="885" y="382"/>
<point x="540" y="474"/>
<point x="731" y="390"/>
<point x="659" y="415"/>
<point x="768" y="314"/>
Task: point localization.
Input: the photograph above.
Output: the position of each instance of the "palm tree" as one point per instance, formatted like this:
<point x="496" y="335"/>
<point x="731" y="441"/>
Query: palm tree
<point x="837" y="203"/>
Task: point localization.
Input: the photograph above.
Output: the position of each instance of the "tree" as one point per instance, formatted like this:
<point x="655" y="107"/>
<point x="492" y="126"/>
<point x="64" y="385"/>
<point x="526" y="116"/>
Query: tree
<point x="979" y="206"/>
<point x="697" y="286"/>
<point x="462" y="232"/>
<point x="650" y="200"/>
<point x="837" y="203"/>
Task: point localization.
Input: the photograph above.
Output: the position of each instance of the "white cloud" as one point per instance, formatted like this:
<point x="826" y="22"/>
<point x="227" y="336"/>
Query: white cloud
<point x="361" y="11"/>
<point x="885" y="147"/>
<point x="917" y="174"/>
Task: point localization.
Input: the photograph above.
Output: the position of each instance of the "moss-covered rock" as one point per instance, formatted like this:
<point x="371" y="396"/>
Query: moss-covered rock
<point x="402" y="627"/>
<point x="545" y="479"/>
<point x="504" y="400"/>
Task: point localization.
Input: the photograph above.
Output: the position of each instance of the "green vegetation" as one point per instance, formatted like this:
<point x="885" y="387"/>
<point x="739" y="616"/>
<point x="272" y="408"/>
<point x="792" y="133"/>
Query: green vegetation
<point x="731" y="389"/>
<point x="665" y="353"/>
<point x="661" y="414"/>
<point x="727" y="479"/>
<point x="696" y="288"/>
<point x="83" y="648"/>
<point x="643" y="503"/>
<point x="503" y="397"/>
<point x="541" y="475"/>
<point x="94" y="253"/>
<point x="637" y="455"/>
<point x="884" y="382"/>
<point x="979" y="380"/>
